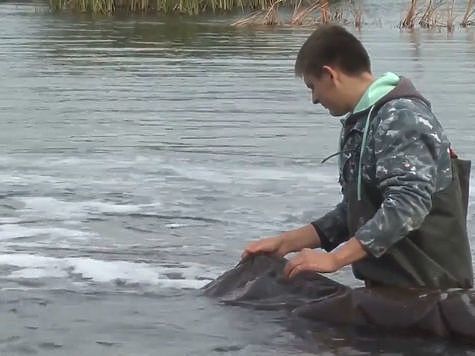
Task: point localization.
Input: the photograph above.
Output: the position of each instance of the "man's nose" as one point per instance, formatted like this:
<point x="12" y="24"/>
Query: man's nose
<point x="315" y="100"/>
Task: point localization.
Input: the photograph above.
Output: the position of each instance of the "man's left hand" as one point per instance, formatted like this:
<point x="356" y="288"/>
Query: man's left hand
<point x="311" y="260"/>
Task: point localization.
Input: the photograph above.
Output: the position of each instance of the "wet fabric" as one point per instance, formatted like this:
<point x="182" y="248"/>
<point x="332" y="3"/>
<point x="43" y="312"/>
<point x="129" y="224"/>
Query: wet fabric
<point x="258" y="282"/>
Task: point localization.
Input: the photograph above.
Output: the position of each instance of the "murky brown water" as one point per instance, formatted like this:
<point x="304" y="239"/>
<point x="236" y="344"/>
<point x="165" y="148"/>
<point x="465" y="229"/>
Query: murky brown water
<point x="139" y="155"/>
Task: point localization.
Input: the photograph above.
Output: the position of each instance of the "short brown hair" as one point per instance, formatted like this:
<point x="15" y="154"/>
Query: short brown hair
<point x="332" y="45"/>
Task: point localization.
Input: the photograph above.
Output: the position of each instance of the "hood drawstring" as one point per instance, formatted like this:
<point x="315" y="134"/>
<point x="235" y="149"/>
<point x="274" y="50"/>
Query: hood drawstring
<point x="335" y="154"/>
<point x="363" y="145"/>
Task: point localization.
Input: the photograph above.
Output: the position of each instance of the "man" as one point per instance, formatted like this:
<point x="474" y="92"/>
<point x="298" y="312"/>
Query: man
<point x="402" y="220"/>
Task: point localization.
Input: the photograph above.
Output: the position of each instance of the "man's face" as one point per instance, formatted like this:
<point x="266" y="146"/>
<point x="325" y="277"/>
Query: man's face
<point x="325" y="91"/>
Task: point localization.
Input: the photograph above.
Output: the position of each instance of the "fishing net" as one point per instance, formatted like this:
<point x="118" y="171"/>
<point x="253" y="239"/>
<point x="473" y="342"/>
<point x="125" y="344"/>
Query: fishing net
<point x="258" y="282"/>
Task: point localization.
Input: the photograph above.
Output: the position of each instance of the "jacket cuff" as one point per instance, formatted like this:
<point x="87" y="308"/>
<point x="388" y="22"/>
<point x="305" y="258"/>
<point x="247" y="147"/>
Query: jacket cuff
<point x="325" y="243"/>
<point x="370" y="243"/>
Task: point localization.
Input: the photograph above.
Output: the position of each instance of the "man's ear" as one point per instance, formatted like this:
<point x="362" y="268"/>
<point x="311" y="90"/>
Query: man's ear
<point x="331" y="73"/>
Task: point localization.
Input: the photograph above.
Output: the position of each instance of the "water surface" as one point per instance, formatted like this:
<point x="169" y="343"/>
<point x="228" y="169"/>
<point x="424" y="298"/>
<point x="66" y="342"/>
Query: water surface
<point x="139" y="155"/>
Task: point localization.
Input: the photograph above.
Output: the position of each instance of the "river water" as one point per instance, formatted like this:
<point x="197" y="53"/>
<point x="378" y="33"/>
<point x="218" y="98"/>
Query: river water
<point x="139" y="155"/>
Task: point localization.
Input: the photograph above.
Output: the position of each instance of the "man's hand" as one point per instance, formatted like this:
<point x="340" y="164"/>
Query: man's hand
<point x="271" y="245"/>
<point x="321" y="261"/>
<point x="282" y="244"/>
<point x="311" y="260"/>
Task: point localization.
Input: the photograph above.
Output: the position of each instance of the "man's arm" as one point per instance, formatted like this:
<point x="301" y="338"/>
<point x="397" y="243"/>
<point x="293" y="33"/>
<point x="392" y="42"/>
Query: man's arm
<point x="298" y="239"/>
<point x="327" y="232"/>
<point x="410" y="148"/>
<point x="332" y="228"/>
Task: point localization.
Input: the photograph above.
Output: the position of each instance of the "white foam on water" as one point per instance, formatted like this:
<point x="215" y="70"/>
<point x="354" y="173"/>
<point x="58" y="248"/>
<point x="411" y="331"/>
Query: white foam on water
<point x="276" y="174"/>
<point x="96" y="178"/>
<point x="175" y="225"/>
<point x="109" y="161"/>
<point x="182" y="283"/>
<point x="106" y="271"/>
<point x="35" y="266"/>
<point x="109" y="271"/>
<point x="9" y="220"/>
<point x="202" y="173"/>
<point x="38" y="273"/>
<point x="10" y="179"/>
<point x="14" y="231"/>
<point x="204" y="271"/>
<point x="224" y="175"/>
<point x="68" y="171"/>
<point x="14" y="178"/>
<point x="55" y="208"/>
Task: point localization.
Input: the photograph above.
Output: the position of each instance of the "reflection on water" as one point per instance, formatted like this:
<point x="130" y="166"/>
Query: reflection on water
<point x="139" y="155"/>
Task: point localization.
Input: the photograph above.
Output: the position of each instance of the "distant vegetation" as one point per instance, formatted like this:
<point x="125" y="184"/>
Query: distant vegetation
<point x="190" y="7"/>
<point x="433" y="14"/>
<point x="422" y="13"/>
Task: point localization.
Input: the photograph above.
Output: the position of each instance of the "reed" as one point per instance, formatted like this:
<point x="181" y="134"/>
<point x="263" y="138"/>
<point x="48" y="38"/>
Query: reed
<point x="429" y="16"/>
<point x="450" y="16"/>
<point x="338" y="16"/>
<point x="266" y="12"/>
<point x="301" y="13"/>
<point x="432" y="16"/>
<point x="357" y="13"/>
<point x="325" y="12"/>
<point x="272" y="15"/>
<point x="466" y="20"/>
<point x="190" y="7"/>
<point x="261" y="17"/>
<point x="409" y="20"/>
<point x="251" y="19"/>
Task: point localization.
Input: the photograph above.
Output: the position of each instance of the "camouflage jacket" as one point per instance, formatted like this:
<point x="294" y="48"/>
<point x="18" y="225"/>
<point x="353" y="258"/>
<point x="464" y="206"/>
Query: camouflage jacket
<point x="406" y="158"/>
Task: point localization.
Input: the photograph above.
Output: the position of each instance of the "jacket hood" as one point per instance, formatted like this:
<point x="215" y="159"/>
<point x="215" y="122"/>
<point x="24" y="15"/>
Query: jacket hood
<point x="404" y="89"/>
<point x="386" y="88"/>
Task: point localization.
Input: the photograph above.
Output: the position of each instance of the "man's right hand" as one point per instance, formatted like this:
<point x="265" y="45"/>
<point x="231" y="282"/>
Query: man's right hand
<point x="280" y="245"/>
<point x="270" y="245"/>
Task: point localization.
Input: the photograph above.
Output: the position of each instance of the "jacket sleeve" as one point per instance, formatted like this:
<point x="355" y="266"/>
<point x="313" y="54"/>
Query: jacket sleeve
<point x="332" y="228"/>
<point x="408" y="145"/>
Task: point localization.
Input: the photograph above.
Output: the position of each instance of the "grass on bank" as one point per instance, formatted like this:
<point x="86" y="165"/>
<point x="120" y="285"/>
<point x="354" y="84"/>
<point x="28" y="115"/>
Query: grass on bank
<point x="428" y="14"/>
<point x="189" y="7"/>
